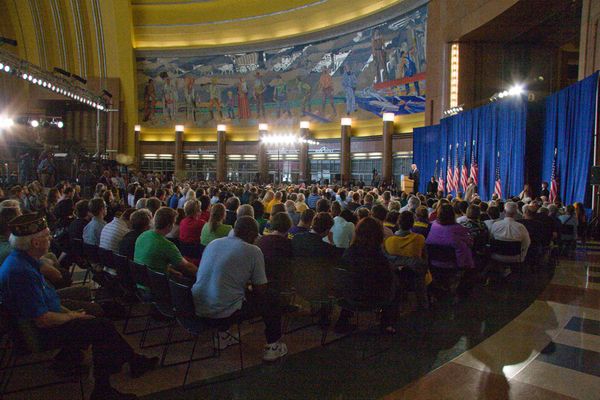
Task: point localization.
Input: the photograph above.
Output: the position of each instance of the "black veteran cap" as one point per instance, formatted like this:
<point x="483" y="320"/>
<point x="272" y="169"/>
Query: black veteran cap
<point x="28" y="224"/>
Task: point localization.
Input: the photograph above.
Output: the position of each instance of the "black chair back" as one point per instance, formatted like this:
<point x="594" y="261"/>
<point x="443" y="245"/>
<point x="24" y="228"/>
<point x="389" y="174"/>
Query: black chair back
<point x="121" y="265"/>
<point x="313" y="278"/>
<point x="441" y="253"/>
<point x="90" y="252"/>
<point x="344" y="284"/>
<point x="105" y="257"/>
<point x="159" y="289"/>
<point x="139" y="272"/>
<point x="181" y="299"/>
<point x="505" y="247"/>
<point x="76" y="247"/>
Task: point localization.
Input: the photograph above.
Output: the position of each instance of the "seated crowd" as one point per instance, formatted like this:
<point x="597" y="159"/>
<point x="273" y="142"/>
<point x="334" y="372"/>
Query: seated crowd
<point x="229" y="242"/>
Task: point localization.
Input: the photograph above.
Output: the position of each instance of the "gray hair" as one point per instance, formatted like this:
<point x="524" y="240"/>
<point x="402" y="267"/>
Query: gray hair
<point x="394" y="205"/>
<point x="23" y="243"/>
<point x="245" y="209"/>
<point x="141" y="203"/>
<point x="510" y="208"/>
<point x="301" y="198"/>
<point x="9" y="204"/>
<point x="290" y="206"/>
<point x="414" y="202"/>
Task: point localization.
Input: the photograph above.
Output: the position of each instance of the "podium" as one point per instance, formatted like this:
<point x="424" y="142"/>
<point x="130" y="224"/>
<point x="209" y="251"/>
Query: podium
<point x="406" y="184"/>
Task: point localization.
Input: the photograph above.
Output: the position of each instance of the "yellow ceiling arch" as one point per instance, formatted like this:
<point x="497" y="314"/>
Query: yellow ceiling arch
<point x="171" y="24"/>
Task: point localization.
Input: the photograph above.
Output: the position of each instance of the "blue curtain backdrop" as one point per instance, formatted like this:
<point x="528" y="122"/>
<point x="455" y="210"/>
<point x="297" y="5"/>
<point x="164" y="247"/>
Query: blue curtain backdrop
<point x="569" y="127"/>
<point x="495" y="128"/>
<point x="426" y="151"/>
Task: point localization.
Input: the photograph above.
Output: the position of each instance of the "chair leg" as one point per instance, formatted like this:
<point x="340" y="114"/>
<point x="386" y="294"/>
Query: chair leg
<point x="240" y="344"/>
<point x="166" y="349"/>
<point x="12" y="362"/>
<point x="145" y="332"/>
<point x="187" y="370"/>
<point x="129" y="311"/>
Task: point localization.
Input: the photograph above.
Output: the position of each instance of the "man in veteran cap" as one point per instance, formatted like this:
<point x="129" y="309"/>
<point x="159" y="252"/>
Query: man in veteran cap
<point x="27" y="297"/>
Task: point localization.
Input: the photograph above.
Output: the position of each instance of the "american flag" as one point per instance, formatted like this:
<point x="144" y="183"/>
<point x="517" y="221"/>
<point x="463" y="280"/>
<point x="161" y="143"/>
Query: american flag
<point x="449" y="171"/>
<point x="553" y="181"/>
<point x="455" y="177"/>
<point x="474" y="167"/>
<point x="463" y="171"/>
<point x="441" y="178"/>
<point x="498" y="186"/>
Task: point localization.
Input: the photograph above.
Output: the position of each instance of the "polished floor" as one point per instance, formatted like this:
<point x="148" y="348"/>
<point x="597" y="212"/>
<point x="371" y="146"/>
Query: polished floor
<point x="534" y="336"/>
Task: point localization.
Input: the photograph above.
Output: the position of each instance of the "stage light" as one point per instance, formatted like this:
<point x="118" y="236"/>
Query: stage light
<point x="100" y="107"/>
<point x="179" y="128"/>
<point x="516" y="90"/>
<point x="60" y="124"/>
<point x="34" y="123"/>
<point x="221" y="128"/>
<point x="137" y="128"/>
<point x="34" y="81"/>
<point x="304" y="125"/>
<point x="7" y="68"/>
<point x="44" y="84"/>
<point x="6" y="122"/>
<point x="30" y="78"/>
<point x="24" y="76"/>
<point x="1" y="66"/>
<point x="263" y="127"/>
<point x="389" y="117"/>
<point x="346" y="121"/>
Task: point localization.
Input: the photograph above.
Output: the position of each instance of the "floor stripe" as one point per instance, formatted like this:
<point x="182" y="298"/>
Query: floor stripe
<point x="585" y="361"/>
<point x="584" y="325"/>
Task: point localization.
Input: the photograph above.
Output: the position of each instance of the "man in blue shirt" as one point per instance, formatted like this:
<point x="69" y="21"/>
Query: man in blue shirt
<point x="29" y="299"/>
<point x="92" y="231"/>
<point x="311" y="202"/>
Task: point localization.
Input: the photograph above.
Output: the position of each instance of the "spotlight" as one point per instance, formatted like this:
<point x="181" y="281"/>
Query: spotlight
<point x="24" y="76"/>
<point x="516" y="90"/>
<point x="7" y="68"/>
<point x="1" y="66"/>
<point x="44" y="84"/>
<point x="6" y="122"/>
<point x="30" y="78"/>
<point x="34" y="81"/>
<point x="34" y="123"/>
<point x="60" y="124"/>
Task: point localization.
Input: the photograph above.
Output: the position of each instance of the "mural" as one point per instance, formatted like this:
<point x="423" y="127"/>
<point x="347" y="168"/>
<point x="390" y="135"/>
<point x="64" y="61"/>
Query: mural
<point x="361" y="74"/>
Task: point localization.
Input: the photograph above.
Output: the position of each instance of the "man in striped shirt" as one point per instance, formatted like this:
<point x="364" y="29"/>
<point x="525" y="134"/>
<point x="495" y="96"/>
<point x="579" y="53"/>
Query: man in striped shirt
<point x="113" y="232"/>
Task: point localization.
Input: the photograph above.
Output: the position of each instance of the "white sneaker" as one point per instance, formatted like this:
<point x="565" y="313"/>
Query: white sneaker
<point x="274" y="351"/>
<point x="224" y="340"/>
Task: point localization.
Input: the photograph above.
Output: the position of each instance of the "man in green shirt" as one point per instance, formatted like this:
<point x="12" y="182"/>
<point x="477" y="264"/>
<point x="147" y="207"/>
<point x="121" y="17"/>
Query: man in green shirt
<point x="158" y="253"/>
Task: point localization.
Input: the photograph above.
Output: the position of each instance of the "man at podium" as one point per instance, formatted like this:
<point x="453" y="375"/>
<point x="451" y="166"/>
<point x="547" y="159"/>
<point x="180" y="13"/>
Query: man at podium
<point x="414" y="175"/>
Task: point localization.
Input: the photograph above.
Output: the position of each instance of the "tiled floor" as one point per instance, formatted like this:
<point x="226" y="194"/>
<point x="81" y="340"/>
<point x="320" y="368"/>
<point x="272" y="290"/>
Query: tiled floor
<point x="550" y="351"/>
<point x="532" y="337"/>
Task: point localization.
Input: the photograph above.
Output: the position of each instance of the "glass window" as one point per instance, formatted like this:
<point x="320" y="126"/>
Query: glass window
<point x="201" y="169"/>
<point x="401" y="166"/>
<point x="362" y="170"/>
<point x="162" y="166"/>
<point x="242" y="170"/>
<point x="324" y="169"/>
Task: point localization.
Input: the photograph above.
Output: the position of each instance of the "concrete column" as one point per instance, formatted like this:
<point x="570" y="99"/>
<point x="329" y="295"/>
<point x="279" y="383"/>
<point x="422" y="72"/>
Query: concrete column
<point x="345" y="168"/>
<point x="221" y="156"/>
<point x="263" y="159"/>
<point x="179" y="162"/>
<point x="303" y="156"/>
<point x="387" y="133"/>
<point x="136" y="144"/>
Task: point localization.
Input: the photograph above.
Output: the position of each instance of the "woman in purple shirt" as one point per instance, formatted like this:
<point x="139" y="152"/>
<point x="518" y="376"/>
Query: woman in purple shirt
<point x="446" y="232"/>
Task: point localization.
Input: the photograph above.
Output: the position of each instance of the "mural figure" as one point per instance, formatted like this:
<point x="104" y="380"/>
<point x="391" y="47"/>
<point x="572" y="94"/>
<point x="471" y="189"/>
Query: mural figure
<point x="230" y="105"/>
<point x="326" y="87"/>
<point x="259" y="97"/>
<point x="243" y="103"/>
<point x="409" y="69"/>
<point x="304" y="92"/>
<point x="149" y="100"/>
<point x="349" y="83"/>
<point x="169" y="100"/>
<point x="378" y="51"/>
<point x="215" y="98"/>
<point x="280" y="96"/>
<point x="190" y="100"/>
